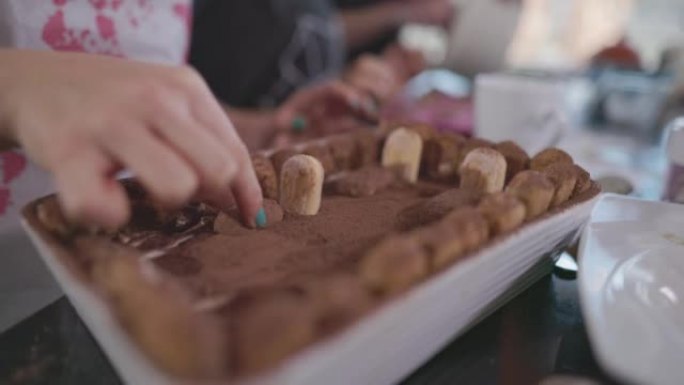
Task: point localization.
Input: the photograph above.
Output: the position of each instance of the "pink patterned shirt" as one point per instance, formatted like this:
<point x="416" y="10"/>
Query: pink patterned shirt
<point x="147" y="30"/>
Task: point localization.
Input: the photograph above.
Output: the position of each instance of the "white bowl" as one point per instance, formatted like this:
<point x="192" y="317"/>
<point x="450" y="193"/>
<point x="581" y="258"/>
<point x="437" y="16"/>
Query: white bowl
<point x="631" y="281"/>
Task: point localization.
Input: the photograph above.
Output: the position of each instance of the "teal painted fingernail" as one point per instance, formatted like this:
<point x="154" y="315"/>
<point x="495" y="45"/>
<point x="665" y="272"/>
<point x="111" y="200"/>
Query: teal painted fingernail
<point x="298" y="124"/>
<point x="261" y="218"/>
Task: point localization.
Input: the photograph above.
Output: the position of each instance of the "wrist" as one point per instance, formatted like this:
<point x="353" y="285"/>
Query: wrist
<point x="7" y="135"/>
<point x="274" y="119"/>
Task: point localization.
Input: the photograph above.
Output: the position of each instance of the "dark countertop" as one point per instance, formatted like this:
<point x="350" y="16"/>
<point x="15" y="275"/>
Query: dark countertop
<point x="538" y="334"/>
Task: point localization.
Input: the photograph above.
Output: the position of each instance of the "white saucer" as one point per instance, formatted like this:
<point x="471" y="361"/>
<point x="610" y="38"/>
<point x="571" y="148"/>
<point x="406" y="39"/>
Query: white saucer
<point x="631" y="282"/>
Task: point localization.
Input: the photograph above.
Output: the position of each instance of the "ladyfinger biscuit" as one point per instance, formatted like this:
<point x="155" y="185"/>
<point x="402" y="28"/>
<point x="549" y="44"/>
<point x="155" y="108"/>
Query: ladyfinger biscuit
<point x="280" y="157"/>
<point x="516" y="158"/>
<point x="483" y="169"/>
<point x="364" y="182"/>
<point x="338" y="299"/>
<point x="323" y="154"/>
<point x="424" y="130"/>
<point x="469" y="225"/>
<point x="274" y="213"/>
<point x="161" y="319"/>
<point x="503" y="211"/>
<point x="469" y="145"/>
<point x="564" y="178"/>
<point x="267" y="176"/>
<point x="583" y="181"/>
<point x="367" y="148"/>
<point x="403" y="148"/>
<point x="440" y="156"/>
<point x="442" y="244"/>
<point x="50" y="214"/>
<point x="344" y="152"/>
<point x="548" y="157"/>
<point x="301" y="185"/>
<point x="271" y="327"/>
<point x="534" y="190"/>
<point x="394" y="265"/>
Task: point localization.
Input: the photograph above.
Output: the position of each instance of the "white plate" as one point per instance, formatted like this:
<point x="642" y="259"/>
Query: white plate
<point x="631" y="281"/>
<point x="383" y="347"/>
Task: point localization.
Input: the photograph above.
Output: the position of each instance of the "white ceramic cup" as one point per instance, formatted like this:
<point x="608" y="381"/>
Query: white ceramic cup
<point x="526" y="109"/>
<point x="479" y="40"/>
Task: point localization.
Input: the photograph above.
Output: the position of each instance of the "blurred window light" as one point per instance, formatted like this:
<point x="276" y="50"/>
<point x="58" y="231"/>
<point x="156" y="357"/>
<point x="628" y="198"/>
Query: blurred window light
<point x="549" y="34"/>
<point x="567" y="33"/>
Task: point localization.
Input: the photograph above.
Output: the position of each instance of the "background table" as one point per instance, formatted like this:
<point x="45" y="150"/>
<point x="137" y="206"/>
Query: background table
<point x="538" y="334"/>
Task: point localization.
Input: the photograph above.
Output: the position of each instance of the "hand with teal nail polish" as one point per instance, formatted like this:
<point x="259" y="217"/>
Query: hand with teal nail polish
<point x="323" y="109"/>
<point x="375" y="77"/>
<point x="261" y="220"/>
<point x="299" y="124"/>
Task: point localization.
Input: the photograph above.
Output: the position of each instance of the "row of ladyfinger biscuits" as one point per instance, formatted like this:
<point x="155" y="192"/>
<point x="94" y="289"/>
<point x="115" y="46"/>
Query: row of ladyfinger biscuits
<point x="418" y="150"/>
<point x="352" y="151"/>
<point x="447" y="227"/>
<point x="349" y="152"/>
<point x="483" y="166"/>
<point x="336" y="154"/>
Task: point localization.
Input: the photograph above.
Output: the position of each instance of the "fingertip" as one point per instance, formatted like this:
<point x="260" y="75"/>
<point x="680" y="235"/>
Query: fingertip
<point x="248" y="196"/>
<point x="261" y="219"/>
<point x="299" y="124"/>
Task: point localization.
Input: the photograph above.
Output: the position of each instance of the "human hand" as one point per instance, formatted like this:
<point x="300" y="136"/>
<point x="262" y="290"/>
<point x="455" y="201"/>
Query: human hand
<point x="373" y="76"/>
<point x="85" y="117"/>
<point x="325" y="108"/>
<point x="405" y="62"/>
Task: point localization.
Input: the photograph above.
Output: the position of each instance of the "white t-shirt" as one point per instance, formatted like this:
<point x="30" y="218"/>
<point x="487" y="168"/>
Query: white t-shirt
<point x="148" y="30"/>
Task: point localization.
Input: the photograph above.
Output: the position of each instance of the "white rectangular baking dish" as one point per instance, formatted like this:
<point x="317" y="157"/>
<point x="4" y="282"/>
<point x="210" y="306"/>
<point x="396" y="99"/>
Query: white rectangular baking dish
<point x="383" y="347"/>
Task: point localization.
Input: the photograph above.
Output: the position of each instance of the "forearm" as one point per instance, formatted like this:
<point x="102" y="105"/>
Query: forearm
<point x="7" y="141"/>
<point x="257" y="128"/>
<point x="7" y="63"/>
<point x="366" y="24"/>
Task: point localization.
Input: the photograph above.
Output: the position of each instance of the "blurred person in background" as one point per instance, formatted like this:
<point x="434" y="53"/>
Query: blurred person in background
<point x="276" y="64"/>
<point x="373" y="25"/>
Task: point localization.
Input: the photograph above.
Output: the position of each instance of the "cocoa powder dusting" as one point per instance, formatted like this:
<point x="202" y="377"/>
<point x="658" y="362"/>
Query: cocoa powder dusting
<point x="296" y="247"/>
